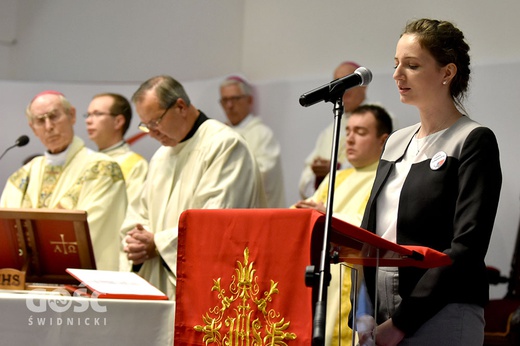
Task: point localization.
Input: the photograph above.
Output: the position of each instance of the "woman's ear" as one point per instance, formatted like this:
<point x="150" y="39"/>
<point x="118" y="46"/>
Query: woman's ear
<point x="450" y="71"/>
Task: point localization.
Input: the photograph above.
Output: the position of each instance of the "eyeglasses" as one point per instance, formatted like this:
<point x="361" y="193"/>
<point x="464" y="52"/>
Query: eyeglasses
<point x="40" y="120"/>
<point x="152" y="125"/>
<point x="97" y="114"/>
<point x="231" y="99"/>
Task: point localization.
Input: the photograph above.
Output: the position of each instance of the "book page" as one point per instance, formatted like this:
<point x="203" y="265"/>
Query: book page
<point x="115" y="283"/>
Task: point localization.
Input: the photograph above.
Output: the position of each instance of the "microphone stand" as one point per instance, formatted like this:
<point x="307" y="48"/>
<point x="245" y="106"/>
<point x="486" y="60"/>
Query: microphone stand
<point x="320" y="312"/>
<point x="20" y="142"/>
<point x="6" y="150"/>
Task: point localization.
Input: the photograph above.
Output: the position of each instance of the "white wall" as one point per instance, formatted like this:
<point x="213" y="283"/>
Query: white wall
<point x="125" y="41"/>
<point x="131" y="40"/>
<point x="292" y="38"/>
<point x="284" y="47"/>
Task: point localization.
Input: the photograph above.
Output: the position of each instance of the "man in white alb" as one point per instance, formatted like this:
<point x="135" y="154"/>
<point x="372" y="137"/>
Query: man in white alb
<point x="236" y="98"/>
<point x="317" y="163"/>
<point x="108" y="118"/>
<point x="202" y="164"/>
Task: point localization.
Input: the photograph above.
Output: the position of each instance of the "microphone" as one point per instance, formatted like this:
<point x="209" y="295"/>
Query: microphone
<point x="20" y="142"/>
<point x="332" y="91"/>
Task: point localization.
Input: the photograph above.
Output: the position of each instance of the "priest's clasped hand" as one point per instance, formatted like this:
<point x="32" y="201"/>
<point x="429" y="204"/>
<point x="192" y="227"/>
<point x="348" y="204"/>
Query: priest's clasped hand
<point x="140" y="245"/>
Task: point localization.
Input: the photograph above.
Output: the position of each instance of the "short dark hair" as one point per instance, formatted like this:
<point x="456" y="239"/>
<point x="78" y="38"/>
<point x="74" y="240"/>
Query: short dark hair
<point x="119" y="106"/>
<point x="166" y="88"/>
<point x="384" y="120"/>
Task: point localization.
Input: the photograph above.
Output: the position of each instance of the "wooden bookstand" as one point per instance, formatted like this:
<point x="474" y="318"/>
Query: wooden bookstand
<point x="38" y="245"/>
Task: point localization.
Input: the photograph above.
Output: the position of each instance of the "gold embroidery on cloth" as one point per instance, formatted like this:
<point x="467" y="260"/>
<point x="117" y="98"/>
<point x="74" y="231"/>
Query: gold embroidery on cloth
<point x="100" y="169"/>
<point x="104" y="169"/>
<point x="50" y="179"/>
<point x="20" y="179"/>
<point x="245" y="327"/>
<point x="70" y="198"/>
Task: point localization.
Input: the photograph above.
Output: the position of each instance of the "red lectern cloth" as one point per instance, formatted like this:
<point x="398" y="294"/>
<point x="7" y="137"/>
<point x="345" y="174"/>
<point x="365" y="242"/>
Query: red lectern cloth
<point x="224" y="296"/>
<point x="241" y="272"/>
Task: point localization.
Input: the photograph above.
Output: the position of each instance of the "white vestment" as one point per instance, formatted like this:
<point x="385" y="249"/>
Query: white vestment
<point x="214" y="169"/>
<point x="322" y="149"/>
<point x="267" y="152"/>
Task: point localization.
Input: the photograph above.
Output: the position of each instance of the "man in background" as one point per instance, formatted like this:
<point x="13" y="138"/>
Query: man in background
<point x="202" y="164"/>
<point x="70" y="176"/>
<point x="108" y="117"/>
<point x="317" y="163"/>
<point x="368" y="127"/>
<point x="236" y="98"/>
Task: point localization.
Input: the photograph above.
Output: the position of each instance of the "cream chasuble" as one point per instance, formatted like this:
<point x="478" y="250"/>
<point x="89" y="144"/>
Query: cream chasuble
<point x="87" y="181"/>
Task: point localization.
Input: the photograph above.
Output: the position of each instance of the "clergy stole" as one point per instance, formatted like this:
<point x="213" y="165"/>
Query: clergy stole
<point x="51" y="176"/>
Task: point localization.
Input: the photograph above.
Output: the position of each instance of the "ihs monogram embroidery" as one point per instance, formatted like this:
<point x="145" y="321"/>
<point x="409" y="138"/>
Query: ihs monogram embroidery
<point x="246" y="316"/>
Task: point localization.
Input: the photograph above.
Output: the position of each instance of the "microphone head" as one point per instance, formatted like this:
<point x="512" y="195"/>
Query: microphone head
<point x="365" y="74"/>
<point x="22" y="140"/>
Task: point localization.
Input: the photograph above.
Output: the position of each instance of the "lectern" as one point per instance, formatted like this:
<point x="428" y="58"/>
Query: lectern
<point x="241" y="272"/>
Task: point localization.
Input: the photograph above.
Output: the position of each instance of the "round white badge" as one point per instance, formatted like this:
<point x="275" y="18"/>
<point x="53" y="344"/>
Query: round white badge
<point x="438" y="160"/>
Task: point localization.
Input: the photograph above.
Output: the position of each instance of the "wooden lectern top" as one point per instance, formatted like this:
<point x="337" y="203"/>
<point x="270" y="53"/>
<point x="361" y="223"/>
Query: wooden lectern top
<point x="45" y="242"/>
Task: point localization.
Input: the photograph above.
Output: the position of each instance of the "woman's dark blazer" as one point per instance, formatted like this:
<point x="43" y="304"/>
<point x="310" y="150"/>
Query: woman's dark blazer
<point x="450" y="208"/>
